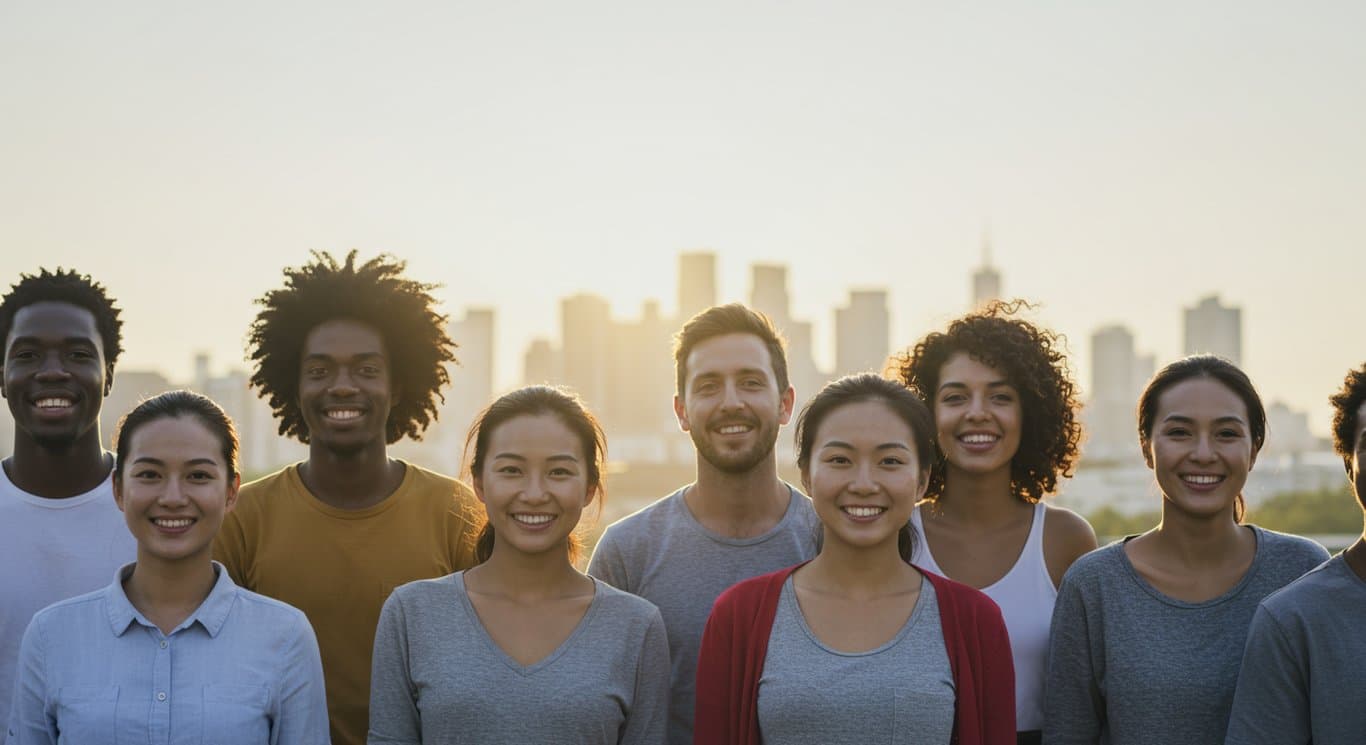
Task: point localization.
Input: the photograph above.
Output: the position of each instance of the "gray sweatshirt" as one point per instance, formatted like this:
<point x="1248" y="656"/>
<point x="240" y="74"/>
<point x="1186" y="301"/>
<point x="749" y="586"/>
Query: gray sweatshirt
<point x="1130" y="665"/>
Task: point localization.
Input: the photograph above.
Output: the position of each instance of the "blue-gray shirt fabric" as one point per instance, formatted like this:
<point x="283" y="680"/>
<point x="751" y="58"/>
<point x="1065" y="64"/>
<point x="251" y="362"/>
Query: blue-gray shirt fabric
<point x="1128" y="665"/>
<point x="242" y="669"/>
<point x="1304" y="670"/>
<point x="663" y="554"/>
<point x="900" y="692"/>
<point x="439" y="677"/>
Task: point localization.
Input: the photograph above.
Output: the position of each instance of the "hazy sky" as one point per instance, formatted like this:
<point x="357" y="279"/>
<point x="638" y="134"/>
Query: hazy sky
<point x="1130" y="157"/>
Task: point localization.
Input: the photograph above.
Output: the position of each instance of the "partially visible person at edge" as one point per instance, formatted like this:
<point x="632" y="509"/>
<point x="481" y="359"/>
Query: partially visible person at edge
<point x="172" y="651"/>
<point x="1303" y="679"/>
<point x="523" y="648"/>
<point x="352" y="358"/>
<point x="1005" y="411"/>
<point x="857" y="645"/>
<point x="60" y="532"/>
<point x="1148" y="632"/>
<point x="738" y="519"/>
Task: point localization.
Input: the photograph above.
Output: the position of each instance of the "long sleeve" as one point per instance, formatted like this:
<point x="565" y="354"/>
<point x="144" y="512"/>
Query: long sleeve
<point x="30" y="722"/>
<point x="717" y="695"/>
<point x="303" y="701"/>
<point x="1074" y="710"/>
<point x="998" y="684"/>
<point x="1271" y="702"/>
<point x="394" y="718"/>
<point x="647" y="723"/>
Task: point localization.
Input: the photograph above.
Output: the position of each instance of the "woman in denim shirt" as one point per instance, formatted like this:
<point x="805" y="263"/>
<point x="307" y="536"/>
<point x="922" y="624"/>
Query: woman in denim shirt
<point x="172" y="652"/>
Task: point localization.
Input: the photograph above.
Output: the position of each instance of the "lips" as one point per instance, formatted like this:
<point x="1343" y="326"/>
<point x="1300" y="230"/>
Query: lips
<point x="863" y="512"/>
<point x="733" y="427"/>
<point x="343" y="413"/>
<point x="533" y="520"/>
<point x="1202" y="481"/>
<point x="173" y="524"/>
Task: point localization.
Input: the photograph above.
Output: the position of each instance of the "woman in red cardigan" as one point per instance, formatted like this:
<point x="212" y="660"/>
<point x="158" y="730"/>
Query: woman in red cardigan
<point x="857" y="645"/>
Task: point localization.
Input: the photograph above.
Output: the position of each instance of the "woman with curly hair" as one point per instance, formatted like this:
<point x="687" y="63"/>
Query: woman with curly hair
<point x="1149" y="632"/>
<point x="1006" y="430"/>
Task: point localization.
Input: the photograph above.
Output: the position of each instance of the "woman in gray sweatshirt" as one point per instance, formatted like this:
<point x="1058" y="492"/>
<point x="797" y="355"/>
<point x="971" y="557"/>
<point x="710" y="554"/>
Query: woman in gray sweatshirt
<point x="523" y="648"/>
<point x="1148" y="632"/>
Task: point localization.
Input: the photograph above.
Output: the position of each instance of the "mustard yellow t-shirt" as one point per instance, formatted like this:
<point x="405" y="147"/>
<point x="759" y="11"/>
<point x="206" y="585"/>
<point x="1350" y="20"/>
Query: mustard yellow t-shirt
<point x="338" y="566"/>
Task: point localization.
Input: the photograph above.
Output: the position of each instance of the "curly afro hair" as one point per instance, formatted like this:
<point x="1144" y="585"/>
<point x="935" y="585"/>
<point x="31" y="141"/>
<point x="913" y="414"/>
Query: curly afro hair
<point x="66" y="286"/>
<point x="1034" y="362"/>
<point x="373" y="293"/>
<point x="1346" y="405"/>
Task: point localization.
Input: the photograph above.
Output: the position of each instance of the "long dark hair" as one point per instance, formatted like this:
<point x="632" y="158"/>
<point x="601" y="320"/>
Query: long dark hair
<point x="536" y="400"/>
<point x="902" y="401"/>
<point x="1204" y="366"/>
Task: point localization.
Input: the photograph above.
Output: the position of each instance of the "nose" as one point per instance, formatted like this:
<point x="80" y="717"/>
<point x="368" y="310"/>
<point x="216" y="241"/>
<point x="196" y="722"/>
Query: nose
<point x="343" y="385"/>
<point x="536" y="490"/>
<point x="977" y="408"/>
<point x="1204" y="449"/>
<point x="173" y="495"/>
<point x="731" y="400"/>
<point x="51" y="368"/>
<point x="863" y="482"/>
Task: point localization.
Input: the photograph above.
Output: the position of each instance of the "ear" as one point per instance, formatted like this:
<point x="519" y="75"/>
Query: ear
<point x="924" y="485"/>
<point x="478" y="485"/>
<point x="681" y="412"/>
<point x="118" y="492"/>
<point x="785" y="404"/>
<point x="233" y="486"/>
<point x="1253" y="460"/>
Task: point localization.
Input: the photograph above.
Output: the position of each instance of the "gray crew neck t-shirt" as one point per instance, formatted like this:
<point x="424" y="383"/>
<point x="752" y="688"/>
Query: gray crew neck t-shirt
<point x="1128" y="665"/>
<point x="1303" y="677"/>
<point x="663" y="554"/>
<point x="438" y="676"/>
<point x="901" y="692"/>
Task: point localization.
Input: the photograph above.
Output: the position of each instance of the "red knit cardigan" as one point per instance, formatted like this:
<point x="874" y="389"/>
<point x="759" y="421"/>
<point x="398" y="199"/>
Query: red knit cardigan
<point x="735" y="643"/>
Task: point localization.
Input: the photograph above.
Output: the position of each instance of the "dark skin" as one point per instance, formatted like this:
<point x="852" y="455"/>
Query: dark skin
<point x="1355" y="555"/>
<point x="345" y="395"/>
<point x="54" y="351"/>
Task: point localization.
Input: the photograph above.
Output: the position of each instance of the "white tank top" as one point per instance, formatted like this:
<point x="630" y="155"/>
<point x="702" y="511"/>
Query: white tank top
<point x="1026" y="596"/>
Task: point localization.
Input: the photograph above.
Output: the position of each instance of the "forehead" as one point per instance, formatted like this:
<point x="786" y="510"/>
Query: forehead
<point x="862" y="422"/>
<point x="962" y="367"/>
<point x="1200" y="398"/>
<point x="172" y="439"/>
<point x="542" y="434"/>
<point x="341" y="338"/>
<point x="729" y="354"/>
<point x="55" y="321"/>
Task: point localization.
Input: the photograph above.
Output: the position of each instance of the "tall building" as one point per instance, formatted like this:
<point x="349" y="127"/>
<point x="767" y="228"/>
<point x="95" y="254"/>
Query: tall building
<point x="696" y="283"/>
<point x="471" y="387"/>
<point x="768" y="295"/>
<point x="585" y="337"/>
<point x="129" y="389"/>
<point x="768" y="292"/>
<point x="541" y="364"/>
<point x="986" y="281"/>
<point x="862" y="332"/>
<point x="1118" y="375"/>
<point x="1214" y="328"/>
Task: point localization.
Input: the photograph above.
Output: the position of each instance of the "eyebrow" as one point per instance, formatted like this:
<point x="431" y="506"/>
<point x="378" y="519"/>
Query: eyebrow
<point x="1188" y="420"/>
<point x="742" y="371"/>
<point x="85" y="340"/>
<point x="883" y="446"/>
<point x="992" y="384"/>
<point x="515" y="456"/>
<point x="162" y="463"/>
<point x="329" y="358"/>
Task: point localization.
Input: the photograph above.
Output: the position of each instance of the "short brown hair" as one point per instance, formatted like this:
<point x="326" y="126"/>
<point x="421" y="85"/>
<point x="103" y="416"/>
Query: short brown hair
<point x="732" y="318"/>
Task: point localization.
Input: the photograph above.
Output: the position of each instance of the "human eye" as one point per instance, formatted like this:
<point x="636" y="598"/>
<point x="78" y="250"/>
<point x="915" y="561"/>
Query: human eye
<point x="1176" y="432"/>
<point x="893" y="460"/>
<point x="1231" y="433"/>
<point x="509" y="469"/>
<point x="1003" y="397"/>
<point x="146" y="474"/>
<point x="563" y="472"/>
<point x="952" y="398"/>
<point x="706" y="387"/>
<point x="201" y="476"/>
<point x="837" y="459"/>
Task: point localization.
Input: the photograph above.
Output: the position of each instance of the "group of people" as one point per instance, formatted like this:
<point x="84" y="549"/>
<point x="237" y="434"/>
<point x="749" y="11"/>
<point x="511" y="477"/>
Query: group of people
<point x="913" y="588"/>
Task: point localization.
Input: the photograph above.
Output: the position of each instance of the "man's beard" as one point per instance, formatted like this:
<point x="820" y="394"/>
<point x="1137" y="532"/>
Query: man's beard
<point x="736" y="462"/>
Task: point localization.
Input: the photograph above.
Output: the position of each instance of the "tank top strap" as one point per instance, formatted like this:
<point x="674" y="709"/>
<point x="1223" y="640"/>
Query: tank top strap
<point x="1031" y="560"/>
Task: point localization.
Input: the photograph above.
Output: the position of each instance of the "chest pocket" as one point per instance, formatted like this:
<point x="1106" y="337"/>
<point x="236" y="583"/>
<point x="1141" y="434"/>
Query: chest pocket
<point x="86" y="713"/>
<point x="236" y="715"/>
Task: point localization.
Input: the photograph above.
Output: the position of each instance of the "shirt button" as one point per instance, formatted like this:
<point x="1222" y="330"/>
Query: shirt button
<point x="161" y="695"/>
<point x="163" y="644"/>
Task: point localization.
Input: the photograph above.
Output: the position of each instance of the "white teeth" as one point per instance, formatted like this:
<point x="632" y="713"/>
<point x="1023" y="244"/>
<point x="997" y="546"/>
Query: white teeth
<point x="979" y="439"/>
<point x="53" y="403"/>
<point x="865" y="511"/>
<point x="343" y="414"/>
<point x="733" y="429"/>
<point x="1201" y="478"/>
<point x="533" y="519"/>
<point x="169" y="523"/>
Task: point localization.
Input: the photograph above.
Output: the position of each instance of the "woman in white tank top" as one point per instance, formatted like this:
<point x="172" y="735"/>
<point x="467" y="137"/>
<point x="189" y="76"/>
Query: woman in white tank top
<point x="1006" y="428"/>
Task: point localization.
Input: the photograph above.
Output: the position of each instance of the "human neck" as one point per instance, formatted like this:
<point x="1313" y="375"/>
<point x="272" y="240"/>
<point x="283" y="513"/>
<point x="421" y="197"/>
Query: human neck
<point x="350" y="481"/>
<point x="858" y="572"/>
<point x="58" y="473"/>
<point x="523" y="577"/>
<point x="978" y="498"/>
<point x="1355" y="555"/>
<point x="739" y="505"/>
<point x="1200" y="541"/>
<point x="167" y="592"/>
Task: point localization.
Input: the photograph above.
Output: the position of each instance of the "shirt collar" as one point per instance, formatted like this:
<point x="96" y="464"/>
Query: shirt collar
<point x="211" y="614"/>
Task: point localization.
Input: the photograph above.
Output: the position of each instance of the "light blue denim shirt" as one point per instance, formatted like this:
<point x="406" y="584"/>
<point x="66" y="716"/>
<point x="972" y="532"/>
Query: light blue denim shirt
<point x="242" y="669"/>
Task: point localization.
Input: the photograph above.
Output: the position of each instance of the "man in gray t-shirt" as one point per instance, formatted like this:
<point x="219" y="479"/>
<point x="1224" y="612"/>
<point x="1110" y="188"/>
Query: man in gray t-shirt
<point x="738" y="519"/>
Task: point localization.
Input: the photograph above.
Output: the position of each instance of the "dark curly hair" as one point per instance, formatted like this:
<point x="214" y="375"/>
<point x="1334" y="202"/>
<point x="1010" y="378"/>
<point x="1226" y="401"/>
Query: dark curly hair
<point x="66" y="286"/>
<point x="1035" y="364"/>
<point x="1346" y="405"/>
<point x="373" y="293"/>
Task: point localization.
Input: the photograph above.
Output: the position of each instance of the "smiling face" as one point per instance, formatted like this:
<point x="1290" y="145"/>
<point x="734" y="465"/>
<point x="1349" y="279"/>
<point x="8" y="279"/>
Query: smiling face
<point x="55" y="377"/>
<point x="1200" y="448"/>
<point x="977" y="416"/>
<point x="731" y="405"/>
<point x="345" y="388"/>
<point x="864" y="477"/>
<point x="174" y="489"/>
<point x="534" y="484"/>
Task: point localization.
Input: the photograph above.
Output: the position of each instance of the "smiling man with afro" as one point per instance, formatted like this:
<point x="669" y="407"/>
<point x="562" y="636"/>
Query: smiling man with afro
<point x="351" y="357"/>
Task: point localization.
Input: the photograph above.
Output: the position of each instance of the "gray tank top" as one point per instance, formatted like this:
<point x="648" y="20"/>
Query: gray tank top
<point x="901" y="692"/>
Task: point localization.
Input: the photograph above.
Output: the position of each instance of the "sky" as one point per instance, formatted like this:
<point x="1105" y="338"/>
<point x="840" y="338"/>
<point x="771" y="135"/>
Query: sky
<point x="1127" y="159"/>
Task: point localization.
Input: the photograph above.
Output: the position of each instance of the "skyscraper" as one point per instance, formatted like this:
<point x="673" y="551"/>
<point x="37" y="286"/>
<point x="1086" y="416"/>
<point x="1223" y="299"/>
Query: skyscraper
<point x="1214" y="328"/>
<point x="585" y="336"/>
<point x="986" y="281"/>
<point x="768" y="293"/>
<point x="696" y="283"/>
<point x="862" y="332"/>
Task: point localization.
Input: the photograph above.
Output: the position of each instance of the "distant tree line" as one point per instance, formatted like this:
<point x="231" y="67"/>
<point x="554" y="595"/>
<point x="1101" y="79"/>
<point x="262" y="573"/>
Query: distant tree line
<point x="1328" y="511"/>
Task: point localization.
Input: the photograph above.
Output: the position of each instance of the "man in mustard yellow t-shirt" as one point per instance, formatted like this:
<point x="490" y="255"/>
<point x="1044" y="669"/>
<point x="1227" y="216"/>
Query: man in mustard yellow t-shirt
<point x="351" y="358"/>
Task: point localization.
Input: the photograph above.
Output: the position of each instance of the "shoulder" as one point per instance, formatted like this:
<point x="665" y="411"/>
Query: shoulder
<point x="1067" y="530"/>
<point x="267" y="612"/>
<point x="1291" y="547"/>
<point x="435" y="485"/>
<point x="1303" y="596"/>
<point x="1093" y="567"/>
<point x="747" y="597"/>
<point x="259" y="494"/>
<point x="623" y="607"/>
<point x="71" y="611"/>
<point x="965" y="601"/>
<point x="644" y="522"/>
